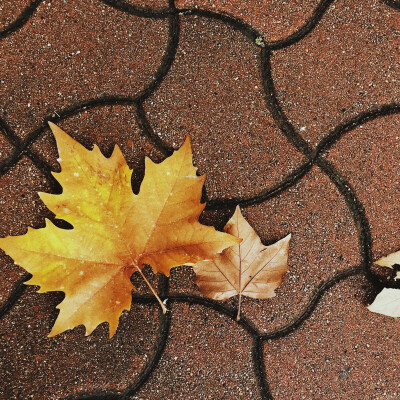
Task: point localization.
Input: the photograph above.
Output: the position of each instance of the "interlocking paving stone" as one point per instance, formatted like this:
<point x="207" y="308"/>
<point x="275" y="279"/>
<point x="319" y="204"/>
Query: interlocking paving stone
<point x="195" y="366"/>
<point x="92" y="50"/>
<point x="35" y="366"/>
<point x="342" y="351"/>
<point x="343" y="67"/>
<point x="274" y="19"/>
<point x="375" y="177"/>
<point x="10" y="10"/>
<point x="218" y="99"/>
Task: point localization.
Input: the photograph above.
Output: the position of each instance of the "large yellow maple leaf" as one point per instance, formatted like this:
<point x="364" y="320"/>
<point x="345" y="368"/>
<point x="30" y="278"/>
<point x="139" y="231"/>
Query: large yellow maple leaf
<point x="114" y="231"/>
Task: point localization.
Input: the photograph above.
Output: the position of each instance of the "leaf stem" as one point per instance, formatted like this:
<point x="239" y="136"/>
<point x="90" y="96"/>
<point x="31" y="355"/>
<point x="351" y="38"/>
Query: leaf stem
<point x="240" y="269"/>
<point x="240" y="302"/>
<point x="152" y="290"/>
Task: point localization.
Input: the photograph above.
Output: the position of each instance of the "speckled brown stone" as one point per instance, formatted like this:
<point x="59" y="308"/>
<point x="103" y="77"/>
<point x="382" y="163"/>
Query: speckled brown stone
<point x="91" y="50"/>
<point x="218" y="99"/>
<point x="343" y="351"/>
<point x="10" y="10"/>
<point x="194" y="359"/>
<point x="49" y="368"/>
<point x="10" y="273"/>
<point x="5" y="147"/>
<point x="345" y="66"/>
<point x="151" y="4"/>
<point x="20" y="205"/>
<point x="273" y="19"/>
<point x="375" y="177"/>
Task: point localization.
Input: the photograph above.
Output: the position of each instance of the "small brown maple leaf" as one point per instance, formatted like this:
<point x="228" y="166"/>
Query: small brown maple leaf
<point x="246" y="269"/>
<point x="114" y="231"/>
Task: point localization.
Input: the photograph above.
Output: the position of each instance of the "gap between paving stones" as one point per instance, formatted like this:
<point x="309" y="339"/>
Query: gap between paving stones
<point x="392" y="3"/>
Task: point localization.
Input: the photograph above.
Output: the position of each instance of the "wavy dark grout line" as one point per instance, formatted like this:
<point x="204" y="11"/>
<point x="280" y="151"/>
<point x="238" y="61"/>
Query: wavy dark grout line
<point x="164" y="327"/>
<point x="164" y="322"/>
<point x="144" y="12"/>
<point x="259" y="368"/>
<point x="251" y="33"/>
<point x="74" y="109"/>
<point x="9" y="133"/>
<point x="143" y="122"/>
<point x="165" y="12"/>
<point x="354" y="205"/>
<point x="304" y="30"/>
<point x="287" y="129"/>
<point x="167" y="60"/>
<point x="395" y="4"/>
<point x="151" y="364"/>
<point x="58" y="116"/>
<point x="258" y="338"/>
<point x="162" y="71"/>
<point x="216" y="306"/>
<point x="358" y="214"/>
<point x="366" y="116"/>
<point x="265" y="194"/>
<point x="244" y="322"/>
<point x="10" y="161"/>
<point x="17" y="292"/>
<point x="37" y="160"/>
<point x="257" y="351"/>
<point x="145" y="126"/>
<point x="320" y="290"/>
<point x="21" y="20"/>
<point x="326" y="143"/>
<point x="21" y="147"/>
<point x="236" y="23"/>
<point x="148" y="131"/>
